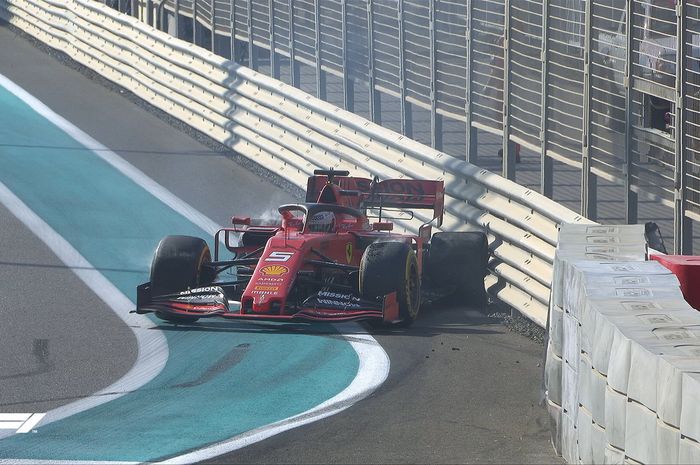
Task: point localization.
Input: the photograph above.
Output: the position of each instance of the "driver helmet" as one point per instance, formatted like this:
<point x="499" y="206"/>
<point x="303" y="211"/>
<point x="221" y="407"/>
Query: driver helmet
<point x="321" y="222"/>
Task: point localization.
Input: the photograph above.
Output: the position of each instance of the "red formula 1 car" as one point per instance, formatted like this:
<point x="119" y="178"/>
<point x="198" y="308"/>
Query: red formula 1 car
<point x="322" y="260"/>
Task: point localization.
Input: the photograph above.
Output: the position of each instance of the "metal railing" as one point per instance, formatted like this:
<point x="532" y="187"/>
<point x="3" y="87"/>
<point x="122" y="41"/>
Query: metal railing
<point x="292" y="133"/>
<point x="621" y="108"/>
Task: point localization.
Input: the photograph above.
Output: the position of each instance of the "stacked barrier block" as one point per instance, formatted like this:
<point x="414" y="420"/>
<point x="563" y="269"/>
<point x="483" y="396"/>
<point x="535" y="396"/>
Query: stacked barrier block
<point x="622" y="374"/>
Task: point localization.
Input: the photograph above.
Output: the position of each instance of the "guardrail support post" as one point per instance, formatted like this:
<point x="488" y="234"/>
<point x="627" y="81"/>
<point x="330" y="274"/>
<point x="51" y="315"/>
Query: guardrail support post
<point x="631" y="198"/>
<point x="682" y="225"/>
<point x="589" y="185"/>
<point x="546" y="164"/>
<point x="508" y="148"/>
<point x="435" y="118"/>
<point x="406" y="112"/>
<point x="375" y="108"/>
<point x="320" y="74"/>
<point x="471" y="133"/>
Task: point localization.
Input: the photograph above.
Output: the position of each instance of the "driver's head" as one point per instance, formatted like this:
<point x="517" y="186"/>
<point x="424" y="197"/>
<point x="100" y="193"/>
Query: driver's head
<point x="321" y="222"/>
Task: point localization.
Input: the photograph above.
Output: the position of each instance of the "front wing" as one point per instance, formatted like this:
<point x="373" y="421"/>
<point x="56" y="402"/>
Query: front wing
<point x="211" y="301"/>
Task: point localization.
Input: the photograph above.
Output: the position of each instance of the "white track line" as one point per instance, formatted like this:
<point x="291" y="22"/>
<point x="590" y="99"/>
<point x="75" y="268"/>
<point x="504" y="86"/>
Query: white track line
<point x="372" y="372"/>
<point x="126" y="168"/>
<point x="152" y="346"/>
<point x="374" y="361"/>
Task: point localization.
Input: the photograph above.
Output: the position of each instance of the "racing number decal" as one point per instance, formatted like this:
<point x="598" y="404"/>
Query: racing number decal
<point x="279" y="256"/>
<point x="348" y="252"/>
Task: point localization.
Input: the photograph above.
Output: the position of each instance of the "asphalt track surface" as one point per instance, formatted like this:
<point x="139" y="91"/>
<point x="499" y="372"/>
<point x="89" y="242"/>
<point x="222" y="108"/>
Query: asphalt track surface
<point x="462" y="388"/>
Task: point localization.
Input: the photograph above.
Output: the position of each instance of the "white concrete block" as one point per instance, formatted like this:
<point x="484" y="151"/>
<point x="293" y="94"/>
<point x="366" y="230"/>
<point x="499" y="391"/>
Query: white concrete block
<point x="555" y="425"/>
<point x="641" y="293"/>
<point x="690" y="406"/>
<point x="602" y="252"/>
<point x="556" y="329"/>
<point x="569" y="443"/>
<point x="669" y="382"/>
<point x="619" y="364"/>
<point x="659" y="319"/>
<point x="643" y="375"/>
<point x="601" y="341"/>
<point x="613" y="456"/>
<point x="553" y="376"/>
<point x="667" y="443"/>
<point x="557" y="280"/>
<point x="615" y="418"/>
<point x="597" y="444"/>
<point x="610" y="315"/>
<point x="620" y="267"/>
<point x="571" y="341"/>
<point x="597" y="388"/>
<point x="567" y="230"/>
<point x="569" y="390"/>
<point x="640" y="433"/>
<point x="585" y="375"/>
<point x="688" y="452"/>
<point x="584" y="428"/>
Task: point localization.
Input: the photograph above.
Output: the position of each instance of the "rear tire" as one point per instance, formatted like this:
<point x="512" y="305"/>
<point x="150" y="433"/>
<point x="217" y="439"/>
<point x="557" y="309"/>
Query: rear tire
<point x="178" y="265"/>
<point x="458" y="261"/>
<point x="392" y="267"/>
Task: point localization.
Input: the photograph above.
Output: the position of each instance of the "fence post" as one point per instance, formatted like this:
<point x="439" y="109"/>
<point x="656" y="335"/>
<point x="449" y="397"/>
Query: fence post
<point x="176" y="19"/>
<point x="194" y="22"/>
<point x="470" y="132"/>
<point x="233" y="30"/>
<point x="406" y="114"/>
<point x="546" y="164"/>
<point x="348" y="85"/>
<point x="274" y="59"/>
<point x="252" y="57"/>
<point x="508" y="170"/>
<point x="435" y="118"/>
<point x="320" y="74"/>
<point x="375" y="110"/>
<point x="589" y="185"/>
<point x="293" y="66"/>
<point x="682" y="225"/>
<point x="149" y="12"/>
<point x="213" y="27"/>
<point x="631" y="198"/>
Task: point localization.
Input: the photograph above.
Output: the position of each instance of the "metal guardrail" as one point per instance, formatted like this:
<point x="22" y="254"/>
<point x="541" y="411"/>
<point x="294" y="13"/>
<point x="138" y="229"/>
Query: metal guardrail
<point x="292" y="133"/>
<point x="608" y="87"/>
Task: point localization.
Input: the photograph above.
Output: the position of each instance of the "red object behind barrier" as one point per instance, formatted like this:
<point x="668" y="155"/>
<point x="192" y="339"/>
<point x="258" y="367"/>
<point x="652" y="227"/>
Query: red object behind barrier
<point x="687" y="269"/>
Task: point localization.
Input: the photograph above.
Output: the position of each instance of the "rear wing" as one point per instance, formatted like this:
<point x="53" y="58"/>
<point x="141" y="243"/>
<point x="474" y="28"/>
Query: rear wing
<point x="390" y="193"/>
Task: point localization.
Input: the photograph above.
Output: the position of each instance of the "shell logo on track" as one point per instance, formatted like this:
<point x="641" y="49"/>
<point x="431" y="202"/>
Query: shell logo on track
<point x="274" y="270"/>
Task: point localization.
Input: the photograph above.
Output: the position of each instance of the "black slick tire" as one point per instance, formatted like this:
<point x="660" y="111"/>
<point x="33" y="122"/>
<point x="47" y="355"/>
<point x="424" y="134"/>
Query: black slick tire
<point x="178" y="265"/>
<point x="458" y="261"/>
<point x="392" y="267"/>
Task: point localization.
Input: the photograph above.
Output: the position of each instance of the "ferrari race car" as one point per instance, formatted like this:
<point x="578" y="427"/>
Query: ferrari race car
<point x="333" y="258"/>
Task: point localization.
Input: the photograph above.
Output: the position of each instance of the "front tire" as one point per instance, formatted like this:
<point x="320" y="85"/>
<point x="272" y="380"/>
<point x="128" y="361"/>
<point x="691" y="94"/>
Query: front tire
<point x="179" y="264"/>
<point x="392" y="267"/>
